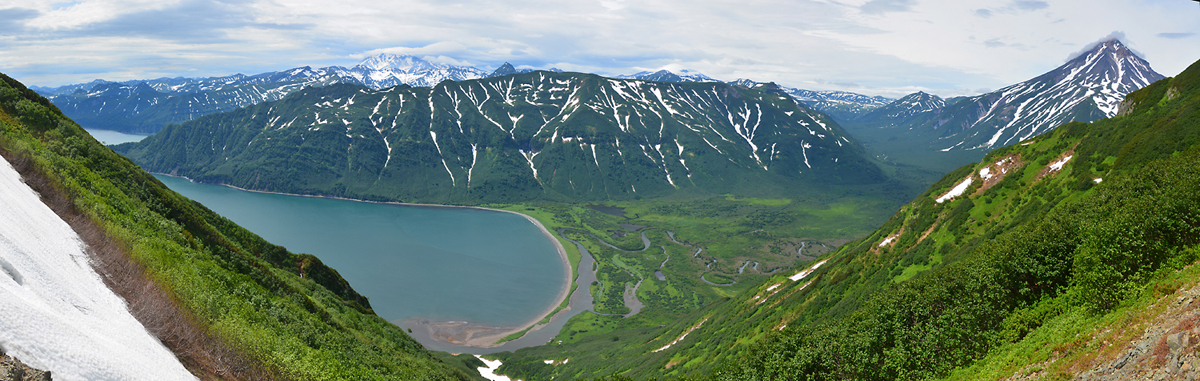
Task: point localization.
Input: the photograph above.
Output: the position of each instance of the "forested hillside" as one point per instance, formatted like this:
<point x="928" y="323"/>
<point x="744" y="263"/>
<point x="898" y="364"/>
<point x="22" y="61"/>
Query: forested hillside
<point x="226" y="302"/>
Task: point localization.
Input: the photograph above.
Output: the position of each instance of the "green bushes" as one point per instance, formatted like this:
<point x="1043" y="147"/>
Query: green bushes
<point x="1054" y="244"/>
<point x="236" y="286"/>
<point x="1141" y="223"/>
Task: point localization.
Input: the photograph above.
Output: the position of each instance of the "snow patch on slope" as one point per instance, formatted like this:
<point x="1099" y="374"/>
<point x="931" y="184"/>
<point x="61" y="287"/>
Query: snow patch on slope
<point x="489" y="372"/>
<point x="55" y="311"/>
<point x="957" y="190"/>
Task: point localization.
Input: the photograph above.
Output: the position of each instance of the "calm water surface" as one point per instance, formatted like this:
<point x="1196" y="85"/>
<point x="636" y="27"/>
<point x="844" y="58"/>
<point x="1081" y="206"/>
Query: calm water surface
<point x="444" y="264"/>
<point x="108" y="137"/>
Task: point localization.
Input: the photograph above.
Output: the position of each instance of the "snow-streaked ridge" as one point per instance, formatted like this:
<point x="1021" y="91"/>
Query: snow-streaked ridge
<point x="1086" y="88"/>
<point x="56" y="313"/>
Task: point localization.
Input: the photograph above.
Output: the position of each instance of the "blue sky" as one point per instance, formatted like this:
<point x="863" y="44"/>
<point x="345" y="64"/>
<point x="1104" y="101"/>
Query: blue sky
<point x="875" y="47"/>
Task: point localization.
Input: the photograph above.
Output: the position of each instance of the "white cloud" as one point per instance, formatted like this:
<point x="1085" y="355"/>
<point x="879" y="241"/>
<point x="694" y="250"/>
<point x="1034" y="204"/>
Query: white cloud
<point x="887" y="47"/>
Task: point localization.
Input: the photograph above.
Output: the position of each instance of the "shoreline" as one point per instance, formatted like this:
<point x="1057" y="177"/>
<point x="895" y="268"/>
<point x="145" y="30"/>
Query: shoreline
<point x="445" y="331"/>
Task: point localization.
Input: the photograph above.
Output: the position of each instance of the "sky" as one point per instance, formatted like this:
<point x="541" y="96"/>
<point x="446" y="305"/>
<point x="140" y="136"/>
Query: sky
<point x="874" y="47"/>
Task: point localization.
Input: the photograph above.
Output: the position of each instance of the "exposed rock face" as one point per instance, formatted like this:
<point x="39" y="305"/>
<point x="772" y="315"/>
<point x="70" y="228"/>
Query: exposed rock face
<point x="1166" y="351"/>
<point x="12" y="369"/>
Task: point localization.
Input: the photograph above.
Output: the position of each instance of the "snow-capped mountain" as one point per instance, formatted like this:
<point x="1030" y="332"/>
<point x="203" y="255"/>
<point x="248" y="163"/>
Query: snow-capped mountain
<point x="915" y="106"/>
<point x="838" y="96"/>
<point x="146" y="106"/>
<point x="668" y="76"/>
<point x="1086" y="88"/>
<point x="387" y="70"/>
<point x="179" y="85"/>
<point x="843" y="106"/>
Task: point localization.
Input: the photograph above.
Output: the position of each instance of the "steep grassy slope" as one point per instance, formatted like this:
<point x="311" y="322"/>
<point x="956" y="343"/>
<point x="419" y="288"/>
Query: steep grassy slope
<point x="1074" y="224"/>
<point x="1021" y="246"/>
<point x="532" y="136"/>
<point x="288" y="314"/>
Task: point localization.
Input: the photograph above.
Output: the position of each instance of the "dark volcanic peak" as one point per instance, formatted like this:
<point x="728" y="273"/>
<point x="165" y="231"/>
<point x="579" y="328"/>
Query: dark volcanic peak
<point x="503" y="70"/>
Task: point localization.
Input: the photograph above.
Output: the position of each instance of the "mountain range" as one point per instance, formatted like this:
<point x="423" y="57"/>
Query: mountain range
<point x="145" y="106"/>
<point x="1087" y="87"/>
<point x="559" y="136"/>
<point x="841" y="105"/>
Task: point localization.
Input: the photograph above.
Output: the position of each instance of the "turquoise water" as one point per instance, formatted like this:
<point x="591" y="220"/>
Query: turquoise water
<point x="107" y="137"/>
<point x="439" y="263"/>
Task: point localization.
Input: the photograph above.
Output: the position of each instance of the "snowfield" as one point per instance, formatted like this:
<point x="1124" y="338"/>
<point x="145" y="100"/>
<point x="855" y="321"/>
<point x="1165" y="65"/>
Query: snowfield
<point x="55" y="312"/>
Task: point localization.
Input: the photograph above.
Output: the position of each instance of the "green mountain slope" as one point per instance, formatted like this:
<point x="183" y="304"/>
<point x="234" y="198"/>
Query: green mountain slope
<point x="1077" y="222"/>
<point x="241" y="307"/>
<point x="538" y="135"/>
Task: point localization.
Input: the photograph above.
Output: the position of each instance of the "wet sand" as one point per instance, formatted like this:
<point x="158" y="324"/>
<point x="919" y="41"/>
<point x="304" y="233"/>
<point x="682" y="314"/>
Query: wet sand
<point x="465" y="337"/>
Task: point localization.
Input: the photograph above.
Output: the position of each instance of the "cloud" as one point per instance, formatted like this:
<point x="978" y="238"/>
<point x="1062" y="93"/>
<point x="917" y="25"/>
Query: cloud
<point x="884" y="46"/>
<point x="842" y="84"/>
<point x="12" y="20"/>
<point x="195" y="21"/>
<point x="1013" y="8"/>
<point x="1176" y="36"/>
<point x="440" y="48"/>
<point x="994" y="43"/>
<point x="874" y="7"/>
<point x="1115" y="35"/>
<point x="1027" y="5"/>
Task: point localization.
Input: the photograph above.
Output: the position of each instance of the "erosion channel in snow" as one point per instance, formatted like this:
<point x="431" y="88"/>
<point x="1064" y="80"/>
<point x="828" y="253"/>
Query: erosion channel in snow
<point x="56" y="313"/>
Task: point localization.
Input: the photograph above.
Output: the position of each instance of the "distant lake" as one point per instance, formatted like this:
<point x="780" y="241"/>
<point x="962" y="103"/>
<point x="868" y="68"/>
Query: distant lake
<point x="108" y="138"/>
<point x="440" y="263"/>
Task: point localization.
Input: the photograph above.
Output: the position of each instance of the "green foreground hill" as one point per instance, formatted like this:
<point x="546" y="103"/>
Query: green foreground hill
<point x="232" y="305"/>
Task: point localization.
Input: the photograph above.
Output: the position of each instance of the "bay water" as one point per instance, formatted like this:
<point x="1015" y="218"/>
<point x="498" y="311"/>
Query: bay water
<point x="108" y="137"/>
<point x="439" y="263"/>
